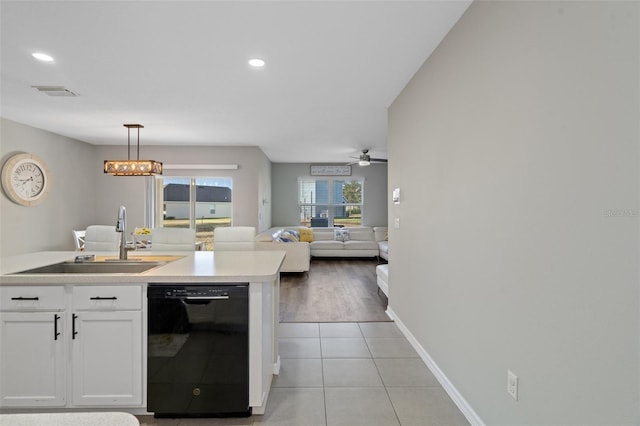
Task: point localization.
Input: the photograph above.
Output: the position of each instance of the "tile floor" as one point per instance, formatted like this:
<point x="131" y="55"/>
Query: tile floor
<point x="346" y="374"/>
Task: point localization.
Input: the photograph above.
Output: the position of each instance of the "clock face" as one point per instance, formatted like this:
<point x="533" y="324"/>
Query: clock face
<point x="25" y="179"/>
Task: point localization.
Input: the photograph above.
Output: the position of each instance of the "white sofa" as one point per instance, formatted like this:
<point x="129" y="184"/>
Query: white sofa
<point x="363" y="241"/>
<point x="381" y="236"/>
<point x="382" y="278"/>
<point x="297" y="257"/>
<point x="360" y="242"/>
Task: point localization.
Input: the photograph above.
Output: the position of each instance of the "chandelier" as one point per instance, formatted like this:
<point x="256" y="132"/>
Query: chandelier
<point x="131" y="167"/>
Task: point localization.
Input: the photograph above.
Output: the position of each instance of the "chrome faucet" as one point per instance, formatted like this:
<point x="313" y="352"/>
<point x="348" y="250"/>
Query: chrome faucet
<point x="121" y="226"/>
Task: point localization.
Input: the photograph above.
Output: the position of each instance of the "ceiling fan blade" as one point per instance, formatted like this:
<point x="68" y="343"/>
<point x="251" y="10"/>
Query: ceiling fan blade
<point x="379" y="160"/>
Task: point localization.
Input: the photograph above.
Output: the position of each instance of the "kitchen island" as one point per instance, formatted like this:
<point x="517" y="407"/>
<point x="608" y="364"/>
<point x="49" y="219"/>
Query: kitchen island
<point x="57" y="309"/>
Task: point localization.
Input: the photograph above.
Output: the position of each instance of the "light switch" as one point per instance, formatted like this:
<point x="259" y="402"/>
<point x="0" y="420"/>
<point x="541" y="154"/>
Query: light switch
<point x="396" y="223"/>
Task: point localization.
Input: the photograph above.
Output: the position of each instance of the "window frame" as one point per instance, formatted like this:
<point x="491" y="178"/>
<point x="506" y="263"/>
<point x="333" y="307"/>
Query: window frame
<point x="330" y="205"/>
<point x="155" y="210"/>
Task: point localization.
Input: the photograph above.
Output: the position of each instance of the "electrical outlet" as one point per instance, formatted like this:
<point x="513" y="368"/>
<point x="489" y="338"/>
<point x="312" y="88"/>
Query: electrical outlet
<point x="396" y="223"/>
<point x="512" y="384"/>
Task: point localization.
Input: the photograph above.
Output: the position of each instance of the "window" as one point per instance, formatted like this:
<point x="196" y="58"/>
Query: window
<point x="330" y="202"/>
<point x="202" y="203"/>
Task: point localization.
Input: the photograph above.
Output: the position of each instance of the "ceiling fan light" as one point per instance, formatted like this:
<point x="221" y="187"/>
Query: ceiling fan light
<point x="364" y="163"/>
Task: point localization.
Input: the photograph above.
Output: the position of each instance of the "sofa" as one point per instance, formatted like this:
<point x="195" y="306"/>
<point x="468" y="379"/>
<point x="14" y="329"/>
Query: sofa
<point x="344" y="242"/>
<point x="359" y="242"/>
<point x="298" y="256"/>
<point x="382" y="278"/>
<point x="381" y="235"/>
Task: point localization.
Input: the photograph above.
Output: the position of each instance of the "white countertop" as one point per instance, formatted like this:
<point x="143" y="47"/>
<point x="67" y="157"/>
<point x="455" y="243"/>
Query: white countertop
<point x="69" y="419"/>
<point x="199" y="266"/>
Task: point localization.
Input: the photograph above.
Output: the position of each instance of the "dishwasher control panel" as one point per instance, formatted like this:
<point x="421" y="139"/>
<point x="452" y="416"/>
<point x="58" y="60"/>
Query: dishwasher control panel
<point x="165" y="291"/>
<point x="181" y="293"/>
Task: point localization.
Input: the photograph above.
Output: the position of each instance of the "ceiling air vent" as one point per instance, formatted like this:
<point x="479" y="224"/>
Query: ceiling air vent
<point x="55" y="91"/>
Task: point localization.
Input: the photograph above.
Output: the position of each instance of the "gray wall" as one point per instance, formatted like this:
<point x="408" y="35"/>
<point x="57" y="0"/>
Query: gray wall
<point x="82" y="194"/>
<point x="248" y="180"/>
<point x="516" y="150"/>
<point x="284" y="209"/>
<point x="47" y="226"/>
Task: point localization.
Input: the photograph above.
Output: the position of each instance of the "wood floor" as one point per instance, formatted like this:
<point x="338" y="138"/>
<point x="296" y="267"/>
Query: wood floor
<point x="334" y="290"/>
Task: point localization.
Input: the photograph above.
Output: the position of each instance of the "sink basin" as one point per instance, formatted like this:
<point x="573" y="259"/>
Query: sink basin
<point x="115" y="267"/>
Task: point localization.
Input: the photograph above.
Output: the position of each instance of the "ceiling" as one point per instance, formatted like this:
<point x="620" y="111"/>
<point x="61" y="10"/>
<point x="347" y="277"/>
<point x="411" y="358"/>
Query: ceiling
<point x="180" y="68"/>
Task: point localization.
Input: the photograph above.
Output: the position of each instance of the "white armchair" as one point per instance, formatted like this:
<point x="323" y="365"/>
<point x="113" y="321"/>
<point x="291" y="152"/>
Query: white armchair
<point x="101" y="238"/>
<point x="176" y="239"/>
<point x="234" y="238"/>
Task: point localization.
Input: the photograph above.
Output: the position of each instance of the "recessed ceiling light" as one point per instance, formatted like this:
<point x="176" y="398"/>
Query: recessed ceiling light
<point x="257" y="63"/>
<point x="42" y="57"/>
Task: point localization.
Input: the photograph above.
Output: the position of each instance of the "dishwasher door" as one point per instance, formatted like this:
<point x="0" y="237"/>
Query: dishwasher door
<point x="198" y="350"/>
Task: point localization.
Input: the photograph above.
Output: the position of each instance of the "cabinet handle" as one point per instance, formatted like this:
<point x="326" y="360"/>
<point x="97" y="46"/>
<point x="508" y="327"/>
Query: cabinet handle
<point x="73" y="326"/>
<point x="56" y="317"/>
<point x="103" y="298"/>
<point x="25" y="298"/>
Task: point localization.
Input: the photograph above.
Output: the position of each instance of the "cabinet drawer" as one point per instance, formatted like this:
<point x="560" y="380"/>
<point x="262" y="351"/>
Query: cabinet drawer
<point x="32" y="298"/>
<point x="107" y="297"/>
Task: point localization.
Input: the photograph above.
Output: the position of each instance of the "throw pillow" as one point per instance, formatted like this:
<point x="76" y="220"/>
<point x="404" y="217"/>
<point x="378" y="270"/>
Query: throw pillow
<point x="289" y="236"/>
<point x="306" y="235"/>
<point x="286" y="236"/>
<point x="341" y="234"/>
<point x="276" y="236"/>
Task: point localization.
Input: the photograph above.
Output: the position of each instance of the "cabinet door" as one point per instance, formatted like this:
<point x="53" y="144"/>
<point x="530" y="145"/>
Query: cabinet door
<point x="32" y="361"/>
<point x="107" y="358"/>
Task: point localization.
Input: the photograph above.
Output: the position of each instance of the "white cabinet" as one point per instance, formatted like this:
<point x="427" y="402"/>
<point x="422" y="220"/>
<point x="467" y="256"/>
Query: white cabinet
<point x="32" y="347"/>
<point x="107" y="345"/>
<point x="99" y="326"/>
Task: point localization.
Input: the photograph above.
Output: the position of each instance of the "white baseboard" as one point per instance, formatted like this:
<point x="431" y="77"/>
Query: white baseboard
<point x="457" y="398"/>
<point x="276" y="367"/>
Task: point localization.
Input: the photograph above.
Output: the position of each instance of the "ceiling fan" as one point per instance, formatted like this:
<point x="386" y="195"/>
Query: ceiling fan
<point x="365" y="159"/>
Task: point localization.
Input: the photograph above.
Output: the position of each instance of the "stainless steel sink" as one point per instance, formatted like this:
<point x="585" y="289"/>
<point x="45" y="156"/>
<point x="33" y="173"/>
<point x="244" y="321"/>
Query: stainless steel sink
<point x="113" y="267"/>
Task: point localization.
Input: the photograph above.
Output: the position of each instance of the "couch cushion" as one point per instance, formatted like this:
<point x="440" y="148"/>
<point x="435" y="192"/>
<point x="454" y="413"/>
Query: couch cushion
<point x="382" y="271"/>
<point x="327" y="245"/>
<point x="360" y="245"/>
<point x="264" y="237"/>
<point x="324" y="234"/>
<point x="381" y="233"/>
<point x="361" y="234"/>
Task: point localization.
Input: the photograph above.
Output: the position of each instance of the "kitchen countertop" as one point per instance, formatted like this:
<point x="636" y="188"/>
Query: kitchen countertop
<point x="199" y="266"/>
<point x="70" y="419"/>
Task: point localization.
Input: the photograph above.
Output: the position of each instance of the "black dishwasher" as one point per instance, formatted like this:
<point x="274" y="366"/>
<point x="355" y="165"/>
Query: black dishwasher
<point x="198" y="350"/>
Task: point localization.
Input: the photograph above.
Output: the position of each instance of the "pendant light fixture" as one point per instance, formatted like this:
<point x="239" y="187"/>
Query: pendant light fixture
<point x="131" y="167"/>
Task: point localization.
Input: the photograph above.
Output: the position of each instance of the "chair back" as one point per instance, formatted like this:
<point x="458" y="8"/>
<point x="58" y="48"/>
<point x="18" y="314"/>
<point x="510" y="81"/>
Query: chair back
<point x="234" y="238"/>
<point x="78" y="239"/>
<point x="176" y="239"/>
<point x="101" y="238"/>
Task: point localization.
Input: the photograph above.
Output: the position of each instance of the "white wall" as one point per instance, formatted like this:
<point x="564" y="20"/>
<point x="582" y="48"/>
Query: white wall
<point x="516" y="150"/>
<point x="46" y="226"/>
<point x="284" y="210"/>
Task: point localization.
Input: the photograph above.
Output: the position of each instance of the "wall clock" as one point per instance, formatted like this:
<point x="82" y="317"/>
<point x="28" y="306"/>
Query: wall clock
<point x="25" y="179"/>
